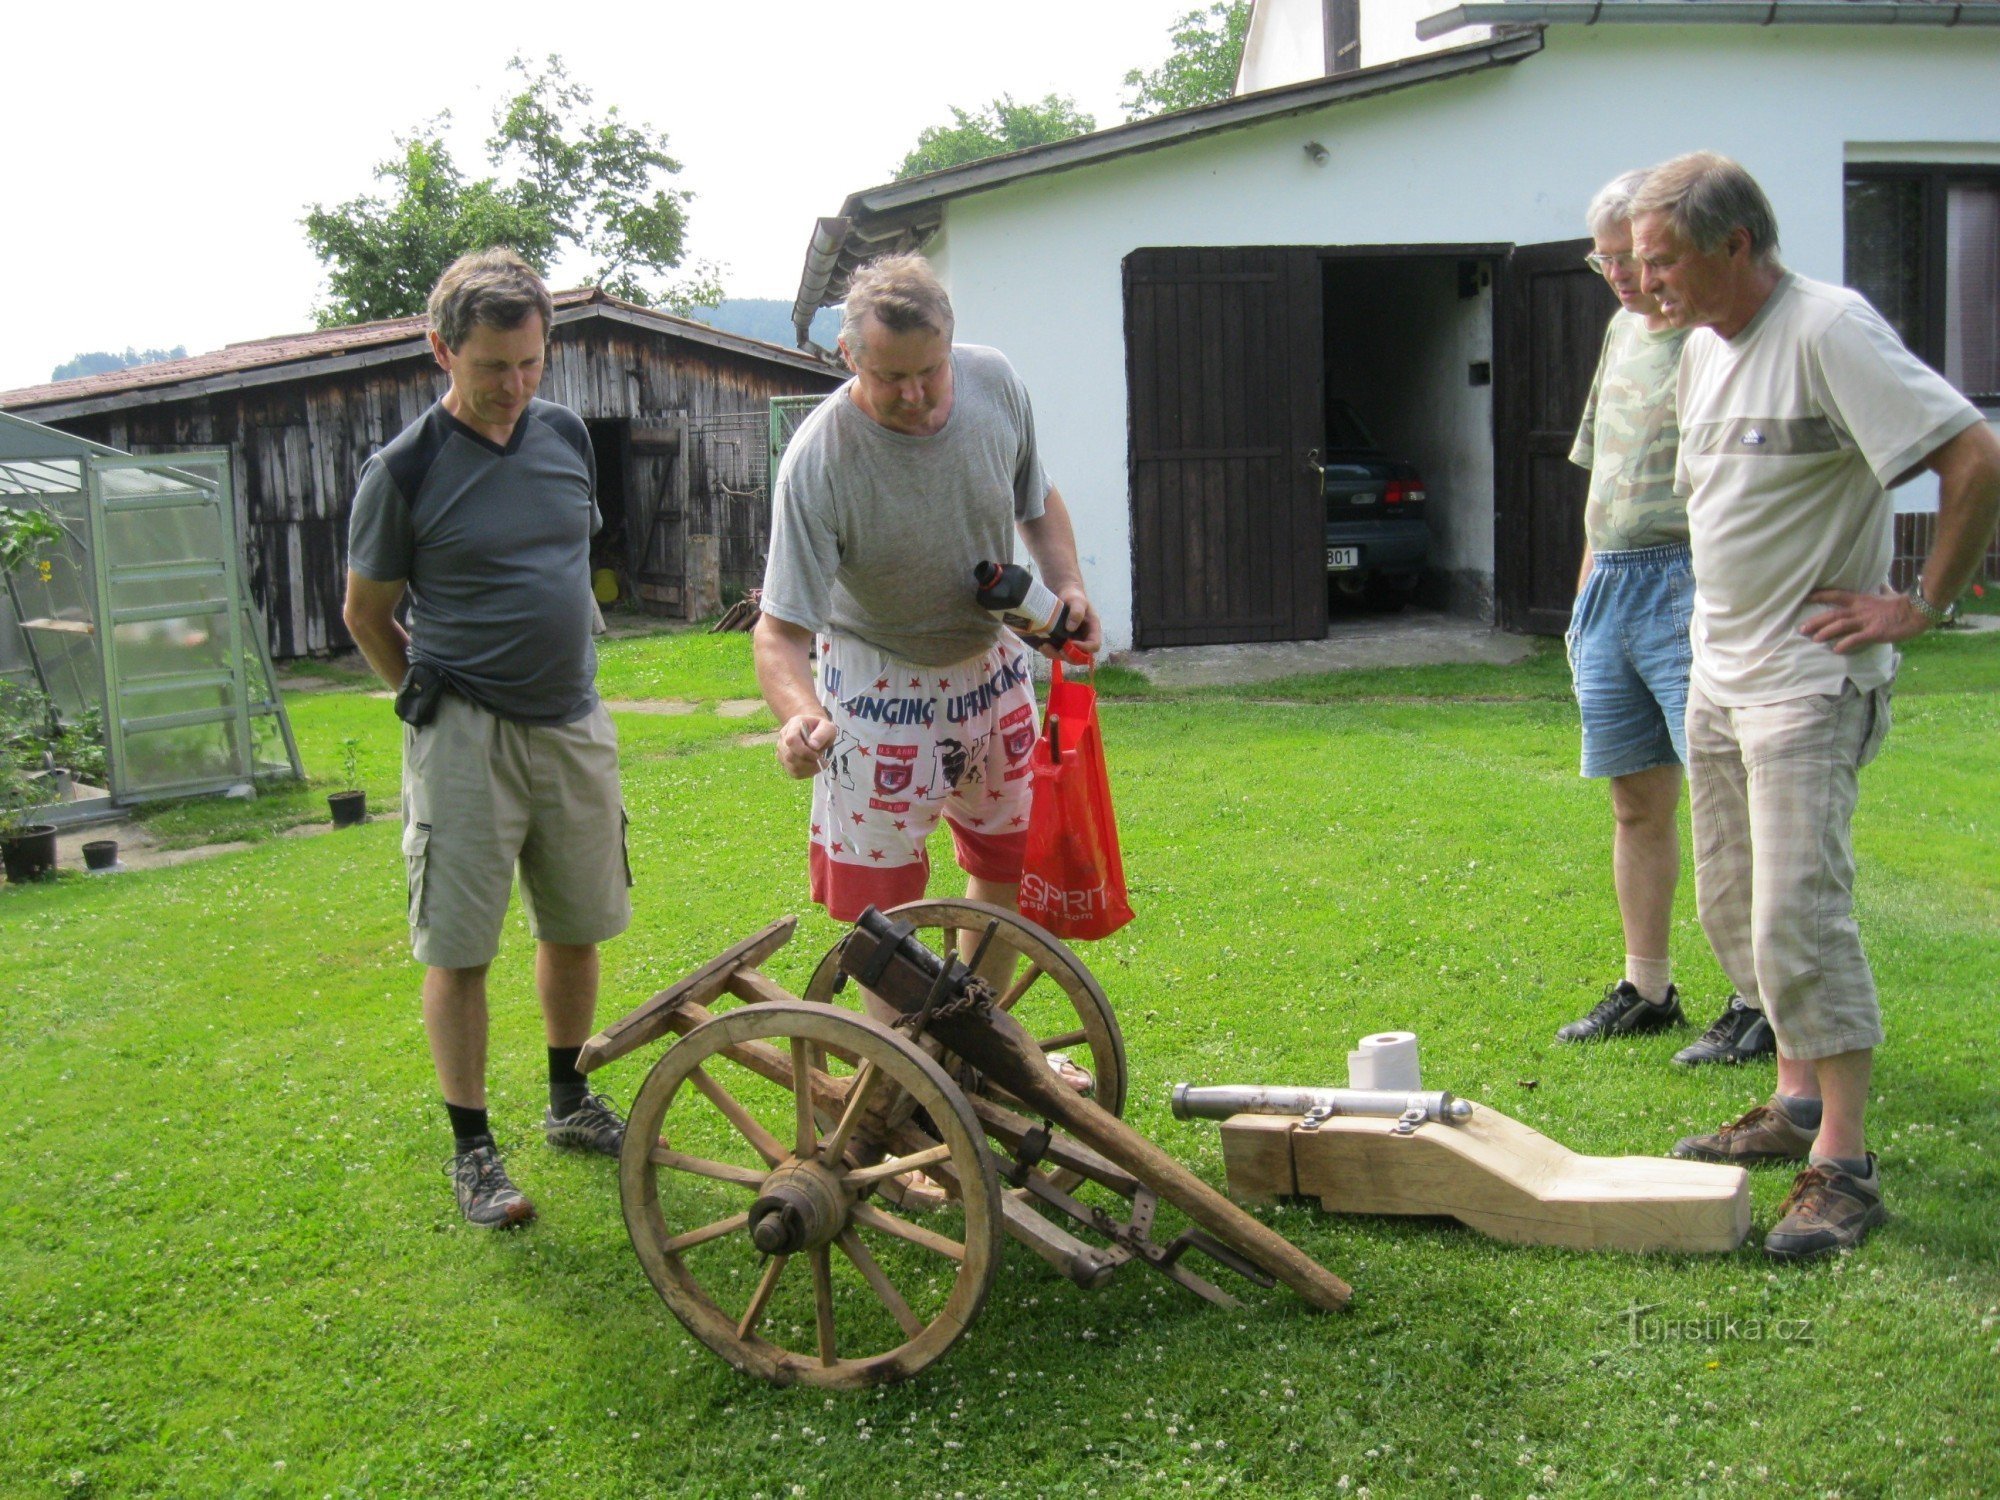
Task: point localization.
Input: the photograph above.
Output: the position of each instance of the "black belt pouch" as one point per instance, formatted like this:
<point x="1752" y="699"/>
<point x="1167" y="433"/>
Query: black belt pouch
<point x="417" y="698"/>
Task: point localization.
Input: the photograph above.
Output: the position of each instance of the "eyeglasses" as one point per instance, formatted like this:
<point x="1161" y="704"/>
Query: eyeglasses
<point x="1604" y="265"/>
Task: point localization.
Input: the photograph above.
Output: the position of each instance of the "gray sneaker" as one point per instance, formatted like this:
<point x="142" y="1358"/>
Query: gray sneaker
<point x="1765" y="1134"/>
<point x="593" y="1126"/>
<point x="486" y="1195"/>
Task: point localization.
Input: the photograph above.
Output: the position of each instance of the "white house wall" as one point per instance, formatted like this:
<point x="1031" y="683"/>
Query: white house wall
<point x="1287" y="39"/>
<point x="1510" y="154"/>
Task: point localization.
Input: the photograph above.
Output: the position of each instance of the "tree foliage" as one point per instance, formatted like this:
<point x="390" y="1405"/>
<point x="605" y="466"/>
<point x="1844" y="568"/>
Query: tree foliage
<point x="104" y="361"/>
<point x="565" y="180"/>
<point x="1001" y="126"/>
<point x="1208" y="48"/>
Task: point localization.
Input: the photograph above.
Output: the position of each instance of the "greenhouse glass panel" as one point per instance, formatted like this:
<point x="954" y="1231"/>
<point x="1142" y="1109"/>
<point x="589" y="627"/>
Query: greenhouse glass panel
<point x="137" y="616"/>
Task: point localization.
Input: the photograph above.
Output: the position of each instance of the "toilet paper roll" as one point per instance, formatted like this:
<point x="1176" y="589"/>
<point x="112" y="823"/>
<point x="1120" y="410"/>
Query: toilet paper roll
<point x="1386" y="1060"/>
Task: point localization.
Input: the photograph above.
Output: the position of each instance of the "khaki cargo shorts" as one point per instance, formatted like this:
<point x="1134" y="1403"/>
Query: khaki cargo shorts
<point x="483" y="799"/>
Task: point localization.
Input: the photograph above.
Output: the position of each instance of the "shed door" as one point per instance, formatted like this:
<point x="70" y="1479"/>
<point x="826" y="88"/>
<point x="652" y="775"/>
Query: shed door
<point x="1554" y="312"/>
<point x="1222" y="367"/>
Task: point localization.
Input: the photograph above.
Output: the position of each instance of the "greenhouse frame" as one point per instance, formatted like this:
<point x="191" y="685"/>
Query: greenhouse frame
<point x="138" y="617"/>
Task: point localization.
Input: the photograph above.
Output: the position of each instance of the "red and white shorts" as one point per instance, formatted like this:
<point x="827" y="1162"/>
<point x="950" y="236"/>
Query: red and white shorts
<point x="915" y="743"/>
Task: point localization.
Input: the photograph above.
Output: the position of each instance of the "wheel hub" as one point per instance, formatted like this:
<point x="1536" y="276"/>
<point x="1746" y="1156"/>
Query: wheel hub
<point x="801" y="1207"/>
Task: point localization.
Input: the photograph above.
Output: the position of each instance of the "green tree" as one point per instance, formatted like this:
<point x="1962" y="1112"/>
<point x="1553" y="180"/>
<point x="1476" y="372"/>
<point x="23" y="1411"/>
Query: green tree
<point x="565" y="179"/>
<point x="1001" y="126"/>
<point x="1208" y="47"/>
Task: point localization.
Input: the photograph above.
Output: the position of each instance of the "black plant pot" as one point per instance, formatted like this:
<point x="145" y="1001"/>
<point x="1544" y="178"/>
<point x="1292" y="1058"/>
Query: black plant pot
<point x="101" y="854"/>
<point x="348" y="808"/>
<point x="30" y="853"/>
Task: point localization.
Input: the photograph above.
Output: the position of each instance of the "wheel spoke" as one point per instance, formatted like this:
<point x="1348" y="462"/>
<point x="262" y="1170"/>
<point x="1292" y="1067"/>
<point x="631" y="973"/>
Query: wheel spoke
<point x="949" y="949"/>
<point x="874" y="1218"/>
<point x="1063" y="1039"/>
<point x="878" y="1279"/>
<point x="895" y="1166"/>
<point x="822" y="1269"/>
<point x="761" y="1140"/>
<point x="704" y="1234"/>
<point x="761" y="1298"/>
<point x="1020" y="987"/>
<point x="859" y="1092"/>
<point x="701" y="1166"/>
<point x="808" y="1127"/>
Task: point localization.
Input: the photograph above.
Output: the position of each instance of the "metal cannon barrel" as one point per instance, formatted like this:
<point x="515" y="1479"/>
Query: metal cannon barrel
<point x="1220" y="1101"/>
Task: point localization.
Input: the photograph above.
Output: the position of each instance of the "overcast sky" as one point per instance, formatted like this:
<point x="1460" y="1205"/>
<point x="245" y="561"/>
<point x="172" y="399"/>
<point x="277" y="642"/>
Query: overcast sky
<point x="159" y="157"/>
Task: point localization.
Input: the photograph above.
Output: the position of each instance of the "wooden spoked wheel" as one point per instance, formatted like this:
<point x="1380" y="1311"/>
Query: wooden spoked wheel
<point x="1048" y="990"/>
<point x="747" y="1209"/>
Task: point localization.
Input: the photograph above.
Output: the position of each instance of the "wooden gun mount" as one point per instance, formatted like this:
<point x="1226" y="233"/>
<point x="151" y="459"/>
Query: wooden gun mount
<point x="868" y="1117"/>
<point x="1493" y="1174"/>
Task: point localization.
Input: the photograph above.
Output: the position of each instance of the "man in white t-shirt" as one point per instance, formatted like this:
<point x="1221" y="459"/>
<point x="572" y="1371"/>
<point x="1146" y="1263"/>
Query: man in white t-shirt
<point x="1798" y="407"/>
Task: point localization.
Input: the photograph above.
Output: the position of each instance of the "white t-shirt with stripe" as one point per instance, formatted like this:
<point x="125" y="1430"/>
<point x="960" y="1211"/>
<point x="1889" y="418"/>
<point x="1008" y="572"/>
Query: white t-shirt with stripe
<point x="1791" y="434"/>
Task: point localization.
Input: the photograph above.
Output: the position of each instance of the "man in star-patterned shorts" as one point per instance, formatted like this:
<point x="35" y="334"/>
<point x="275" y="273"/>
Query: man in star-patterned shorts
<point x="921" y="467"/>
<point x="910" y="744"/>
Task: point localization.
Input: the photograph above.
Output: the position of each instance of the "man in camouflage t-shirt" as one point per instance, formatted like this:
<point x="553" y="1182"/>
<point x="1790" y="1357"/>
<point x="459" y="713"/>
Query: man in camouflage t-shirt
<point x="1628" y="639"/>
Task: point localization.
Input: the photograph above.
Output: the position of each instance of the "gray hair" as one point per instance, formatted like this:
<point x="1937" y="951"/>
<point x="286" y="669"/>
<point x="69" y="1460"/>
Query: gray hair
<point x="495" y="288"/>
<point x="1613" y="204"/>
<point x="1705" y="196"/>
<point x="903" y="293"/>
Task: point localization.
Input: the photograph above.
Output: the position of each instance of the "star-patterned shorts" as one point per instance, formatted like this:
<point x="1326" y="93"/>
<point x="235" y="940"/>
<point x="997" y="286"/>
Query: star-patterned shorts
<point x="914" y="744"/>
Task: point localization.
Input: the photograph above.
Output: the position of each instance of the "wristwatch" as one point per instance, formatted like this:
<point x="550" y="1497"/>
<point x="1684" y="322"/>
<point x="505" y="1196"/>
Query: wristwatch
<point x="1931" y="613"/>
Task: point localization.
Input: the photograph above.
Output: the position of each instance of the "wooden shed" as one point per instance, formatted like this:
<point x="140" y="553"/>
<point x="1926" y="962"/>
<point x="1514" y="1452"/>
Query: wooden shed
<point x="677" y="411"/>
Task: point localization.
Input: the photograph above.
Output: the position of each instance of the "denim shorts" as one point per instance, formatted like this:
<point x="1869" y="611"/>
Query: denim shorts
<point x="1629" y="655"/>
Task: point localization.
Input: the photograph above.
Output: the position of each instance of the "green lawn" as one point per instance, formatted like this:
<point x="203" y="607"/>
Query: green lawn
<point x="230" y="1265"/>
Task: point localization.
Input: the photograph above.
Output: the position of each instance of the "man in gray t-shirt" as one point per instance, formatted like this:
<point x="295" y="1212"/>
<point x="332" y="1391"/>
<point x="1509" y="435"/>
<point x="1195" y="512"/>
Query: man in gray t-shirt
<point x="898" y="486"/>
<point x="481" y="512"/>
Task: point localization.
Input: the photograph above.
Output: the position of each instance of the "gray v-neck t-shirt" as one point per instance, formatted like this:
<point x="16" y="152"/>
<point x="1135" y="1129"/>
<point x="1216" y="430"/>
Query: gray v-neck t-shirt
<point x="874" y="533"/>
<point x="495" y="545"/>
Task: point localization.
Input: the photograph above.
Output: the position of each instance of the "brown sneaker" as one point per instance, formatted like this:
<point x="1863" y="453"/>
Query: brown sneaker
<point x="1827" y="1209"/>
<point x="1765" y="1134"/>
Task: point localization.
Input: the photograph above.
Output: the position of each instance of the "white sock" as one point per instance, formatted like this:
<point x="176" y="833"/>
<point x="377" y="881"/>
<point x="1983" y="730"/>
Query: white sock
<point x="1651" y="977"/>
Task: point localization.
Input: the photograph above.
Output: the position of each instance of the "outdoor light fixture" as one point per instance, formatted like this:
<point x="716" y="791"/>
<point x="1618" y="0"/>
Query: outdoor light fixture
<point x="1317" y="152"/>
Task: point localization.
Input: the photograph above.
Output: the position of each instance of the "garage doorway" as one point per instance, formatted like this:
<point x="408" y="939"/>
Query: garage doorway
<point x="1232" y="355"/>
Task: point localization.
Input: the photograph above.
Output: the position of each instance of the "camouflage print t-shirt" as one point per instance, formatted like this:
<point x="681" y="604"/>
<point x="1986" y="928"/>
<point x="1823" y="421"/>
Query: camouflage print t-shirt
<point x="1630" y="437"/>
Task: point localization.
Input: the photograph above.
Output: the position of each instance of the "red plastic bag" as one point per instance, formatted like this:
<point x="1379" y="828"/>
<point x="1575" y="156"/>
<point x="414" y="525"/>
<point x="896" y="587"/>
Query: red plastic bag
<point x="1072" y="879"/>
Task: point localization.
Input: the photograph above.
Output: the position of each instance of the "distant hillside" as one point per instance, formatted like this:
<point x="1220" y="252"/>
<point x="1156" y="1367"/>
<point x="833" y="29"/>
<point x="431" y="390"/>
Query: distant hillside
<point x="104" y="361"/>
<point x="769" y="319"/>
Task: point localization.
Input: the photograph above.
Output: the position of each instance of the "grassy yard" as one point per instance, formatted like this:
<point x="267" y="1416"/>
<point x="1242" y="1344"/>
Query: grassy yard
<point x="230" y="1265"/>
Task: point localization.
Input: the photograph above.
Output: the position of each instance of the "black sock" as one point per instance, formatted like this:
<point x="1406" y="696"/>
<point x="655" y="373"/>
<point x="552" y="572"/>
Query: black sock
<point x="567" y="1088"/>
<point x="469" y="1126"/>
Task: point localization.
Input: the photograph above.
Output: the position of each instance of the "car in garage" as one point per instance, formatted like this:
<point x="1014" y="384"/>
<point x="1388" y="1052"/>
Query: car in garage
<point x="1377" y="540"/>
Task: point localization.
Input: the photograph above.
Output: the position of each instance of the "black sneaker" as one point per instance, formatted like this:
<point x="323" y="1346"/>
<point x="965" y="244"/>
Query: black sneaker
<point x="486" y="1195"/>
<point x="592" y="1126"/>
<point x="1738" y="1035"/>
<point x="1625" y="1012"/>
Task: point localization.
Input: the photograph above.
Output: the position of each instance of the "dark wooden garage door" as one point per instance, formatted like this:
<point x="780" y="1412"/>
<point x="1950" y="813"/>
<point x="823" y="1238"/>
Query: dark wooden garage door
<point x="1223" y="373"/>
<point x="1553" y="317"/>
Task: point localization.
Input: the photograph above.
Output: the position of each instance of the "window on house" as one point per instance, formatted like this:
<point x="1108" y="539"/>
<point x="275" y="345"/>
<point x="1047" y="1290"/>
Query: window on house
<point x="1923" y="245"/>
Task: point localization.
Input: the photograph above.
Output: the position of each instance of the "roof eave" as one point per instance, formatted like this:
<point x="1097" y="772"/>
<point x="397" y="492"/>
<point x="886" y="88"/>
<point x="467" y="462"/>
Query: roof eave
<point x="415" y="346"/>
<point x="1709" y="13"/>
<point x="912" y="209"/>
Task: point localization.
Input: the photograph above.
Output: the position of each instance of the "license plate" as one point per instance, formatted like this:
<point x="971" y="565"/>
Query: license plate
<point x="1338" y="558"/>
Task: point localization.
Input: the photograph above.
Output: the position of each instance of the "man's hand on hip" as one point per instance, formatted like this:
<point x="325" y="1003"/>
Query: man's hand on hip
<point x="1858" y="620"/>
<point x="802" y="742"/>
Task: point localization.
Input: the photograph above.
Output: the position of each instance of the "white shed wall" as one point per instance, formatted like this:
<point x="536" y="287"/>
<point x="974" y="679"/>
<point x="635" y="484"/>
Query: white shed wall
<point x="1510" y="154"/>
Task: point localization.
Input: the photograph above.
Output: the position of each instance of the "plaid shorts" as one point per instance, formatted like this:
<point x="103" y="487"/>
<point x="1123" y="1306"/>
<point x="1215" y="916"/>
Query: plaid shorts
<point x="916" y="744"/>
<point x="1772" y="789"/>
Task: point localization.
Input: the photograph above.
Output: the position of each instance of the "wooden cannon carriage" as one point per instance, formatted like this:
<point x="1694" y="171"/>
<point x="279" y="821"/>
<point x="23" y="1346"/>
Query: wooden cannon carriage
<point x="808" y="1127"/>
